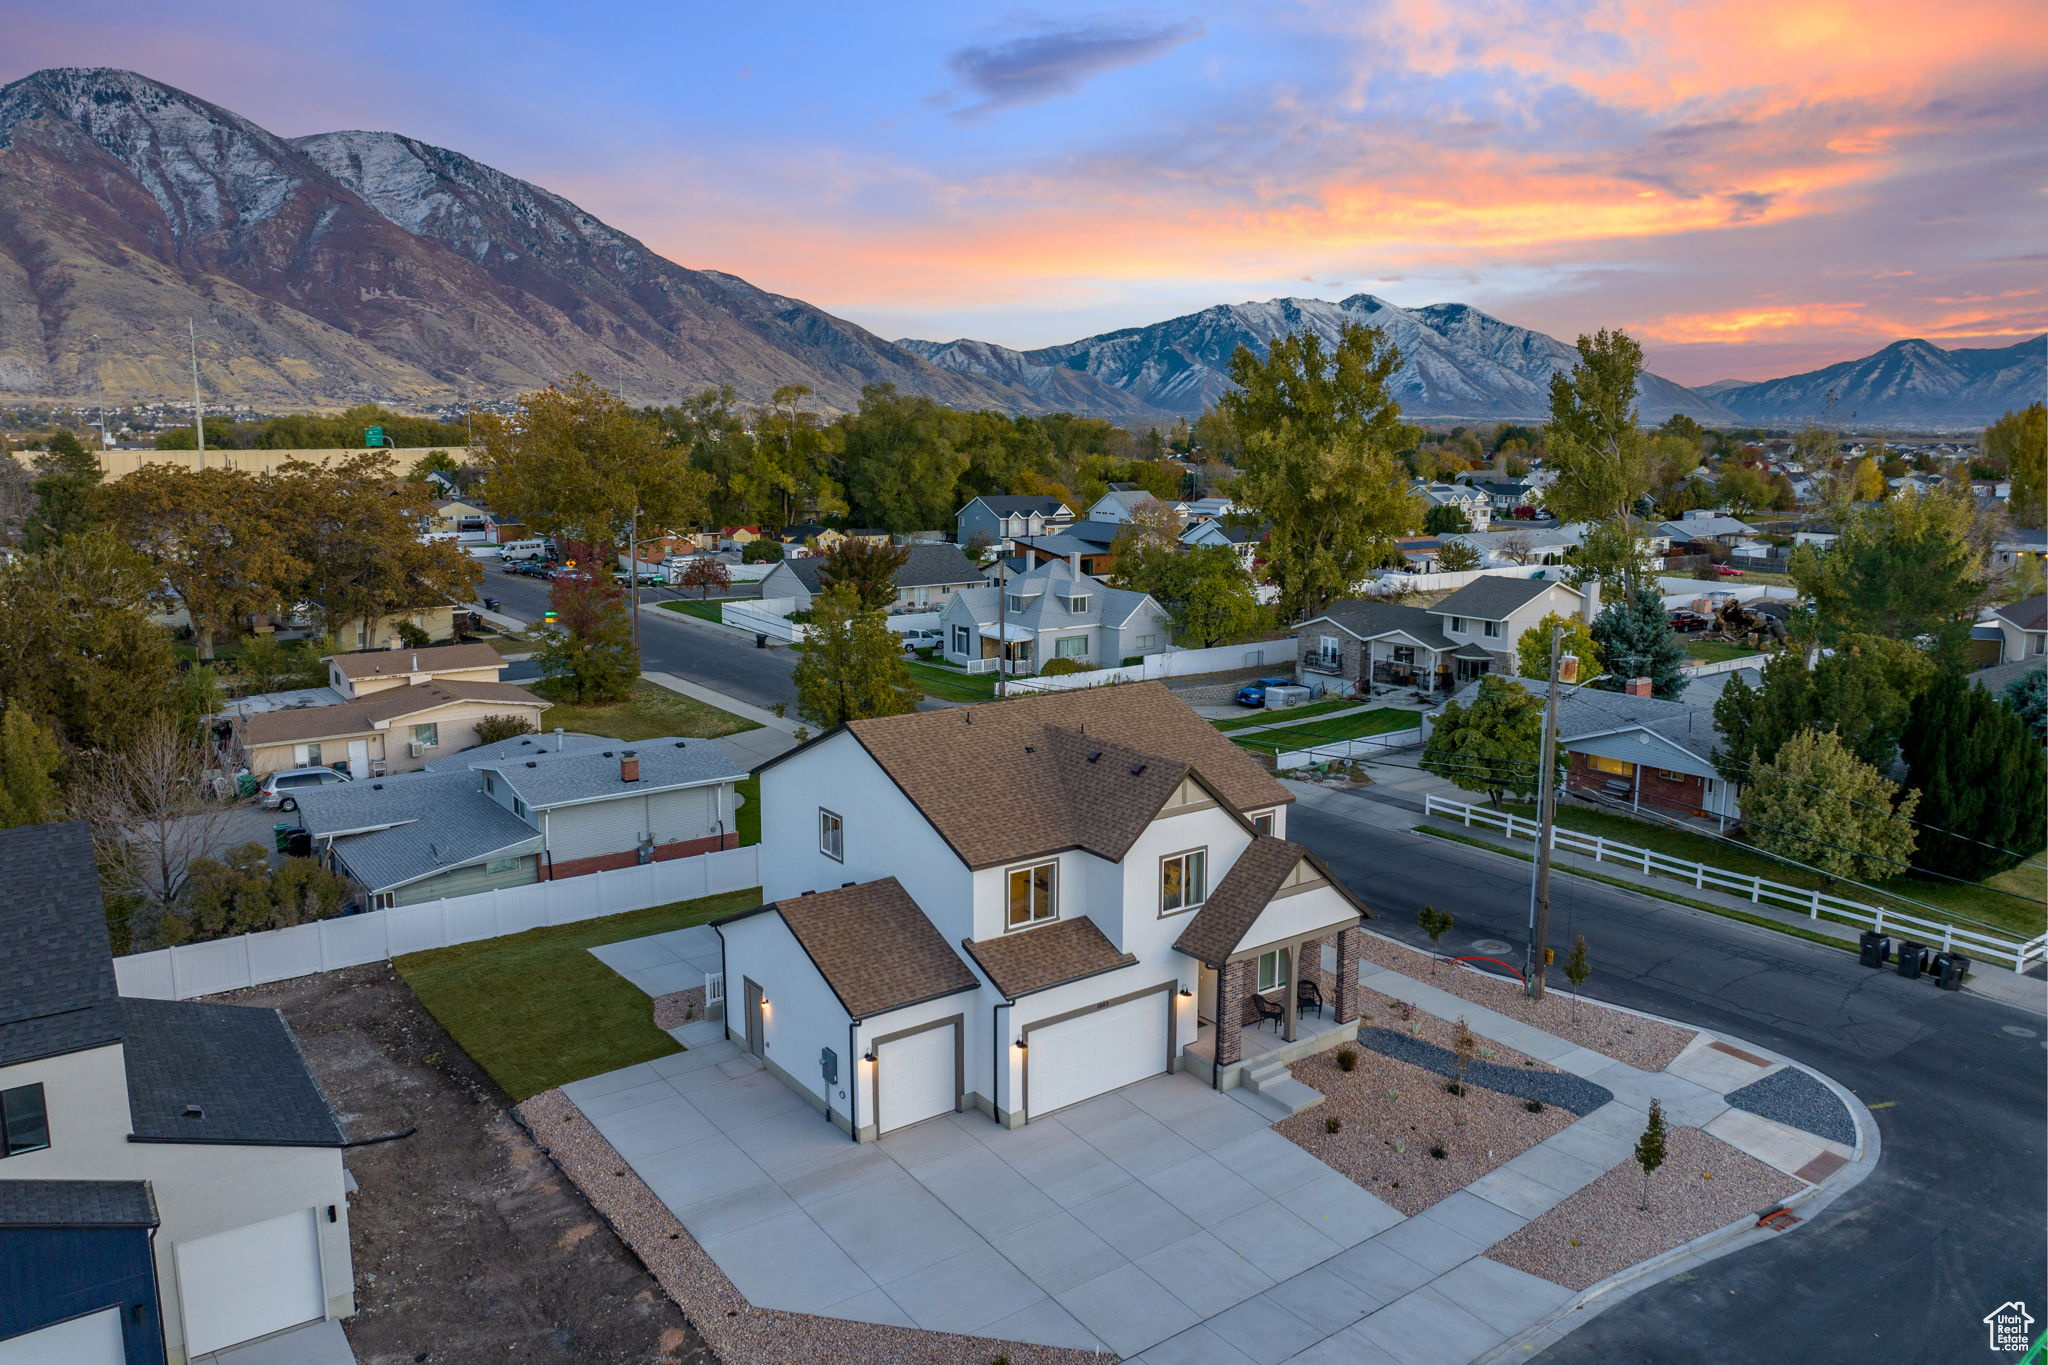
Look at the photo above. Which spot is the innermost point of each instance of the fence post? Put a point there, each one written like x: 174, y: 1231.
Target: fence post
x: 1814, y: 911
x: 1877, y: 923
x: 1599, y: 849
x: 1948, y: 937
x: 1756, y: 890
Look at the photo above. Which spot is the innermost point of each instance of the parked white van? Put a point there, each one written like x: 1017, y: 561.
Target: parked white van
x: 512, y: 550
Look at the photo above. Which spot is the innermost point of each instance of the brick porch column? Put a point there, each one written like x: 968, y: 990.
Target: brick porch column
x: 1233, y: 985
x: 1350, y: 943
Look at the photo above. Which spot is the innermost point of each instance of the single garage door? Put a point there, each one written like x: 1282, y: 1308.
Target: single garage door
x: 916, y: 1078
x: 1082, y: 1058
x: 250, y: 1282
x: 94, y: 1339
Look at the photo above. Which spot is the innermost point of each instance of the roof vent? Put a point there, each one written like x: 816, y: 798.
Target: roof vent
x: 1094, y: 756
x: 192, y: 1111
x: 810, y: 893
x: 376, y: 786
x: 844, y: 885
x: 607, y: 753
x: 531, y: 764
x: 1030, y: 749
x: 682, y: 744
x: 967, y: 715
x: 1137, y: 770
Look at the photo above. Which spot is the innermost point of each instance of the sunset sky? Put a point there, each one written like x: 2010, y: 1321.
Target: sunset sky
x: 1752, y: 187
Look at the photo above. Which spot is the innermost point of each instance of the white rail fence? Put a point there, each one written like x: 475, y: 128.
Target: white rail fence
x: 766, y: 616
x: 1725, y: 666
x: 1173, y: 663
x: 1759, y: 890
x: 277, y: 954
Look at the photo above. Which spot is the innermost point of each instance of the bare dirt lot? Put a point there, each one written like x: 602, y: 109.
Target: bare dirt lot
x: 470, y: 1246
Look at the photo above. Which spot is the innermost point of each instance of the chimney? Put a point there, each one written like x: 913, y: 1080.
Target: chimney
x: 1591, y: 601
x: 1637, y: 687
x: 629, y: 762
x: 558, y: 739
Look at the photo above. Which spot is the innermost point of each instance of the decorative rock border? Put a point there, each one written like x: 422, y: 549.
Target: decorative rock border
x: 1574, y: 1094
x: 1797, y: 1100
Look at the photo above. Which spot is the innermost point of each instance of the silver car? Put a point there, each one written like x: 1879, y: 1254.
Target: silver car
x: 276, y: 791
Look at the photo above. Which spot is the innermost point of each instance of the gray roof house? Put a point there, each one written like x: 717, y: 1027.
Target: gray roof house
x: 527, y: 809
x: 173, y: 1176
x: 929, y: 577
x: 1053, y: 612
x: 1714, y: 526
x: 1369, y: 642
x: 1002, y: 518
x: 1123, y: 500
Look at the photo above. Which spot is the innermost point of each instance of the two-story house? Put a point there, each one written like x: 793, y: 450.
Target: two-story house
x: 1473, y: 502
x: 1122, y: 501
x: 1368, y: 642
x: 2022, y: 628
x: 1051, y: 612
x: 1001, y: 520
x: 170, y: 1173
x: 929, y: 577
x: 1015, y: 906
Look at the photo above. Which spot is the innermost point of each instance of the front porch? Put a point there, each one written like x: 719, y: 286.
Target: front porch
x: 1260, y: 1045
x: 1275, y: 1003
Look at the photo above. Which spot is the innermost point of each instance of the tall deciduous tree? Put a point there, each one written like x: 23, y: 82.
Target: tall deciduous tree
x: 867, y: 569
x: 1597, y: 447
x: 1207, y: 596
x: 1818, y: 804
x: 1743, y: 490
x: 1904, y: 568
x: 29, y: 759
x: 576, y: 463
x: 1320, y: 433
x: 706, y: 573
x: 902, y: 466
x: 587, y: 653
x: 215, y: 536
x: 2021, y: 440
x: 1634, y: 638
x: 1494, y: 746
x: 1982, y: 780
x: 1532, y: 651
x: 853, y: 666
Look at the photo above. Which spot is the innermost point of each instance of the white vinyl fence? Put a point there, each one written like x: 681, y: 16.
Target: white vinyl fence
x: 1277, y: 655
x: 1973, y: 944
x: 1344, y: 750
x: 276, y: 954
x: 766, y: 616
x: 1725, y: 666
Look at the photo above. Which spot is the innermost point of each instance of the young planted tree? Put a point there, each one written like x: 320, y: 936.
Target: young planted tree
x: 1818, y: 805
x: 1577, y: 968
x: 587, y: 654
x: 1494, y: 746
x: 704, y: 574
x: 1982, y: 779
x: 1650, y: 1149
x: 1434, y: 922
x: 1633, y: 637
x: 865, y: 569
x: 1464, y: 1047
x: 852, y: 666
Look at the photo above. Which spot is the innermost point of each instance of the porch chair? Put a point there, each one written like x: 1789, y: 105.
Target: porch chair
x: 1269, y: 1008
x: 1308, y: 995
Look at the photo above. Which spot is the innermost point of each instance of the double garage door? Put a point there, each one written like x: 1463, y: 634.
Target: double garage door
x: 1086, y: 1056
x: 250, y: 1281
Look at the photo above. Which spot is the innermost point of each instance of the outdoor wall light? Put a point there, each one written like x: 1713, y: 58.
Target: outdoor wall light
x: 1186, y: 994
x: 1023, y: 1046
x: 868, y: 1057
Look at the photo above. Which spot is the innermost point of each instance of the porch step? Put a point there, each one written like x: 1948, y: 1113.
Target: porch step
x: 1265, y: 1106
x: 1270, y: 1081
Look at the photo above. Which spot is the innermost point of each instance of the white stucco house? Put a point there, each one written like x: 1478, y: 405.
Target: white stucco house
x: 1052, y: 612
x: 1016, y: 906
x: 171, y: 1182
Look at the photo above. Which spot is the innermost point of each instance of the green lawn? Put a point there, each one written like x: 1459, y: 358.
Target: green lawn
x: 1978, y: 905
x: 748, y: 821
x: 1379, y: 721
x: 510, y: 644
x: 709, y: 611
x: 1288, y: 716
x: 950, y: 684
x: 1716, y: 651
x: 649, y: 712
x: 536, y: 1010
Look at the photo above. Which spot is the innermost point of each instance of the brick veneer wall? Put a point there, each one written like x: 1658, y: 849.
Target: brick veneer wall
x: 1663, y: 795
x: 1350, y: 947
x: 1233, y: 989
x: 611, y: 862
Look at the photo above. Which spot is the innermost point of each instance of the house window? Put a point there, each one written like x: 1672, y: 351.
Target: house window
x: 1272, y: 971
x: 1146, y: 642
x: 1491, y: 629
x: 1329, y: 652
x: 1262, y: 822
x: 1601, y: 763
x: 1071, y: 647
x: 427, y: 736
x: 962, y: 640
x: 1670, y: 776
x: 490, y: 784
x: 1404, y: 654
x: 831, y: 835
x: 308, y: 756
x: 1033, y: 894
x: 922, y: 597
x: 1457, y: 623
x: 1078, y: 604
x: 519, y: 808
x: 1016, y: 602
x: 1183, y: 880
x: 24, y: 1120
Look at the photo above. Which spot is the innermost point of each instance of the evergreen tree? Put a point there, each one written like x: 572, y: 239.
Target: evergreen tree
x: 1863, y: 691
x: 1443, y: 519
x: 1494, y: 746
x: 29, y: 759
x: 1982, y: 778
x: 853, y: 666
x: 1634, y: 638
x: 2027, y: 697
x: 587, y: 653
x: 1817, y: 805
x: 67, y: 477
x: 1901, y: 569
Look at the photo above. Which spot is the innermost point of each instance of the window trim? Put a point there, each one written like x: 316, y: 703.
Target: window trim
x: 42, y: 1105
x: 1490, y: 629
x: 1010, y: 925
x: 1181, y: 857
x: 1269, y: 819
x: 837, y: 828
x: 1060, y: 648
x: 1258, y: 967
x: 431, y: 725
x: 963, y: 640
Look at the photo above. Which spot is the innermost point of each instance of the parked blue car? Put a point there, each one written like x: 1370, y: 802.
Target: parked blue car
x: 1254, y: 693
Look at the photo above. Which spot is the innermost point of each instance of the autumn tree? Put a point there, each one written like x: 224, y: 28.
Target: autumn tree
x: 1320, y: 432
x: 2020, y: 440
x: 1494, y: 746
x: 852, y: 666
x: 1532, y: 651
x: 1981, y: 777
x: 705, y: 574
x: 577, y: 464
x: 1819, y: 805
x: 865, y: 568
x: 1457, y: 556
x: 586, y: 654
x: 1597, y: 448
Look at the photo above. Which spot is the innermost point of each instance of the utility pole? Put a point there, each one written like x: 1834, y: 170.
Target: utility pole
x: 1546, y: 809
x: 1002, y: 637
x: 633, y: 574
x: 198, y: 413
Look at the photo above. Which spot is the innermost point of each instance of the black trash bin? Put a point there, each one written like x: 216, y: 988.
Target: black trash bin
x: 1874, y: 948
x: 298, y: 843
x: 1912, y: 959
x: 1949, y: 970
x: 760, y: 640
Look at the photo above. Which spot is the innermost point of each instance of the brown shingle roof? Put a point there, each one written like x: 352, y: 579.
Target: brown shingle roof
x: 365, y: 715
x: 1052, y: 955
x: 1219, y: 927
x: 388, y: 663
x: 1009, y: 779
x: 874, y: 947
x: 2029, y: 613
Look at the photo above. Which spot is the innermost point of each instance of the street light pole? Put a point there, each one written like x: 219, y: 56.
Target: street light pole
x: 1546, y: 810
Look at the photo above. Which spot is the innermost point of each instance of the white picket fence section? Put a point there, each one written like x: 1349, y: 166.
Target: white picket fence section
x: 1974, y: 944
x: 766, y: 616
x: 277, y: 954
x: 1277, y: 655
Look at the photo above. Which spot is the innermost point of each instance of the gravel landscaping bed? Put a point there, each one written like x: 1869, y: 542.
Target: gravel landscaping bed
x: 1560, y: 1088
x: 1392, y: 1113
x: 1796, y: 1099
x: 1642, y: 1043
x: 1703, y: 1184
x: 740, y: 1333
x: 678, y: 1008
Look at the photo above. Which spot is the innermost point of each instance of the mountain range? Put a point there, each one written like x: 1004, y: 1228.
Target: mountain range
x: 368, y: 266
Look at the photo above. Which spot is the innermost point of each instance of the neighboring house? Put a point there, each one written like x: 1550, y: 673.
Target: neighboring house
x: 1714, y: 526
x: 737, y: 537
x: 2014, y: 546
x: 1627, y: 746
x: 1242, y: 535
x: 1002, y: 519
x: 392, y: 731
x: 1532, y: 544
x: 1208, y: 509
x: 1085, y: 543
x: 522, y: 810
x: 1474, y: 631
x: 1503, y: 496
x: 171, y: 1181
x: 1418, y: 553
x: 1475, y: 503
x: 2022, y: 628
x: 930, y: 575
x: 464, y: 520
x: 1121, y: 502
x: 1015, y: 907
x: 373, y: 671
x: 1052, y: 612
x: 382, y: 633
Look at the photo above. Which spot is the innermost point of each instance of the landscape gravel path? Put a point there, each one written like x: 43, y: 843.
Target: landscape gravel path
x: 1794, y: 1098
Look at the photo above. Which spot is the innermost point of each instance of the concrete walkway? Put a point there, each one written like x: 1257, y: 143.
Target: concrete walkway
x: 1166, y: 1222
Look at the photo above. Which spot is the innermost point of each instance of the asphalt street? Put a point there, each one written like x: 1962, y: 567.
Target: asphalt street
x: 1902, y: 1268
x: 671, y: 642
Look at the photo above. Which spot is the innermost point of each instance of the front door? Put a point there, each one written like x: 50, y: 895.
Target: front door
x: 359, y: 758
x: 753, y: 1013
x: 1205, y: 995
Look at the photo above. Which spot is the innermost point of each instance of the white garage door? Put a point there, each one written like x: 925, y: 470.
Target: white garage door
x: 94, y: 1339
x: 250, y: 1282
x: 1084, y: 1057
x: 915, y: 1078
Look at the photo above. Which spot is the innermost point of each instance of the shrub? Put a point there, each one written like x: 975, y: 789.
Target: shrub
x: 1133, y: 661
x: 412, y: 635
x: 1055, y: 668
x: 1333, y: 1124
x: 761, y: 552
x: 491, y: 729
x: 1533, y: 1106
x: 1347, y: 1059
x: 239, y: 893
x: 1437, y: 1150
